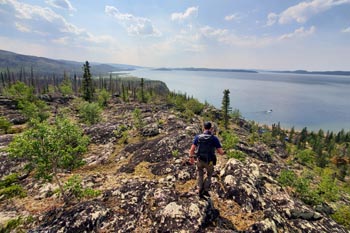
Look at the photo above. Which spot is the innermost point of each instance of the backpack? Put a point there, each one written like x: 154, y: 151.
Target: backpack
x: 206, y: 149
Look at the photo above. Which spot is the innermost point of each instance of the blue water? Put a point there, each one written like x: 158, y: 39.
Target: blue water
x: 312, y: 101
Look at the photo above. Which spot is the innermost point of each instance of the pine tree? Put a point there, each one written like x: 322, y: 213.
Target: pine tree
x: 88, y: 89
x: 143, y: 99
x: 226, y: 106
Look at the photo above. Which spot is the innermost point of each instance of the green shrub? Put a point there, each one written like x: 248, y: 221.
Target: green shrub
x: 328, y: 188
x: 16, y: 224
x: 301, y: 186
x: 175, y: 153
x: 306, y: 157
x: 305, y: 193
x: 287, y: 178
x: 90, y: 113
x: 12, y: 191
x: 8, y: 180
x: 74, y: 187
x: 194, y: 105
x: 229, y: 140
x: 5, y: 125
x: 9, y: 188
x: 30, y: 105
x: 239, y: 155
x: 267, y: 138
x: 342, y: 216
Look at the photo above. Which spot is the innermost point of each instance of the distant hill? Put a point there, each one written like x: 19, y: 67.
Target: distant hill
x: 15, y: 62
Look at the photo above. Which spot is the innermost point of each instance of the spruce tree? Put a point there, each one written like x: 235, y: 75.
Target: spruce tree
x: 88, y: 90
x: 226, y: 106
x: 143, y: 99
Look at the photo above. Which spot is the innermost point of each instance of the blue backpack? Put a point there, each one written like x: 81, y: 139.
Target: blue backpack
x: 206, y: 148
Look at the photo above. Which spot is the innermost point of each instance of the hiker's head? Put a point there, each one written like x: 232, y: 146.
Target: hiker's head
x: 207, y: 125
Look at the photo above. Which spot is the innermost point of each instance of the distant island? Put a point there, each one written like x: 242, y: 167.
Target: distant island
x: 345, y: 73
x: 206, y: 69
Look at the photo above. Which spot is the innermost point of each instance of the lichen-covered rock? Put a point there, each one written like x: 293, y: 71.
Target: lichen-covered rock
x: 102, y: 133
x: 254, y: 190
x: 83, y: 217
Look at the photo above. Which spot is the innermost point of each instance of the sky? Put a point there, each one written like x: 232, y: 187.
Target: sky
x: 312, y: 35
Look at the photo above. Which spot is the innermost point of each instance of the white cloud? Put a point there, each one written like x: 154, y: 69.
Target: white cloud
x: 21, y: 27
x: 346, y: 30
x: 63, y: 4
x: 212, y: 32
x: 300, y: 32
x: 235, y: 17
x: 46, y: 23
x: 133, y: 24
x: 303, y: 11
x: 190, y: 12
x: 271, y: 19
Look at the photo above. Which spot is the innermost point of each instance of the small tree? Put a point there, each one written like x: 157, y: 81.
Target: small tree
x: 49, y: 148
x: 90, y: 113
x: 103, y: 96
x: 226, y: 107
x: 137, y: 117
x: 88, y: 89
x: 143, y: 99
x: 66, y: 86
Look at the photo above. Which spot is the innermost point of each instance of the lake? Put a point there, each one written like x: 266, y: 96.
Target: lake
x: 299, y: 100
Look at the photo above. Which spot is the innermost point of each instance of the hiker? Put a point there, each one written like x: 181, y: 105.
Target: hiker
x: 203, y: 149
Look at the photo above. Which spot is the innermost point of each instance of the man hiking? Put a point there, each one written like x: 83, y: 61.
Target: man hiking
x: 203, y: 149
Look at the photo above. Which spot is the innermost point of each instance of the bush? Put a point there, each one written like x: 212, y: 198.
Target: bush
x: 12, y: 191
x: 9, y: 188
x: 74, y: 187
x: 328, y: 188
x: 16, y: 224
x: 267, y: 138
x: 229, y: 140
x: 194, y: 105
x: 30, y: 106
x: 239, y: 155
x: 5, y: 125
x: 301, y: 186
x: 305, y: 157
x: 306, y: 193
x: 342, y: 216
x: 287, y: 178
x: 90, y: 113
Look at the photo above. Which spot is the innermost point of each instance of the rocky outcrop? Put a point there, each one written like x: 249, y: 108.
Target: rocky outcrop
x: 148, y: 185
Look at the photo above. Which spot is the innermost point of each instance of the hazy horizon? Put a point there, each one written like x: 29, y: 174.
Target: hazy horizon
x: 311, y: 35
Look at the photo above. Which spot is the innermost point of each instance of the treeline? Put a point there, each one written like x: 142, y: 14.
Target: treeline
x: 43, y: 83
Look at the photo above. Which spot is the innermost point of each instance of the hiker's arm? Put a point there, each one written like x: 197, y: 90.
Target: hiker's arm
x: 192, y: 150
x: 220, y: 151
